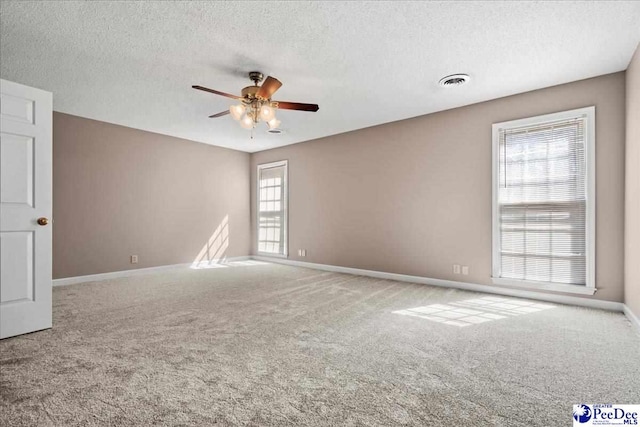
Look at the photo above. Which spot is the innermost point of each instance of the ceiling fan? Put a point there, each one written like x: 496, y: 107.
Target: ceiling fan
x: 256, y: 104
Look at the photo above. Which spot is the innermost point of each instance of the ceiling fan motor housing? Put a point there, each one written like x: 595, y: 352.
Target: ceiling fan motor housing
x: 250, y: 91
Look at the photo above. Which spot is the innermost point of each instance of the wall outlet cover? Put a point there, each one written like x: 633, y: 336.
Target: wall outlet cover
x: 456, y: 268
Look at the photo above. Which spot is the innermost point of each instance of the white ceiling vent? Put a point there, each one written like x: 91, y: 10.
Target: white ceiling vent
x: 454, y: 80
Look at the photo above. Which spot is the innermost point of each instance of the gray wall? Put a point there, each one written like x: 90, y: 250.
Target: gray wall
x: 119, y: 191
x: 414, y: 196
x: 632, y: 188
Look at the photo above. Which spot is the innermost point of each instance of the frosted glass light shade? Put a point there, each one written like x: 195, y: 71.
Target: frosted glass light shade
x: 267, y: 113
x: 237, y: 111
x: 274, y: 123
x: 246, y: 122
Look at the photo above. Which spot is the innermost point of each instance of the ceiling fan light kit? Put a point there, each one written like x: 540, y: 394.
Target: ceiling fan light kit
x: 273, y: 124
x: 237, y: 111
x: 247, y: 122
x: 256, y: 104
x: 267, y: 113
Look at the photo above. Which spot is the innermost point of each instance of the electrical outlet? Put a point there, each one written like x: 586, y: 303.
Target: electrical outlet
x: 302, y: 252
x: 465, y: 270
x: 134, y: 259
x: 456, y: 268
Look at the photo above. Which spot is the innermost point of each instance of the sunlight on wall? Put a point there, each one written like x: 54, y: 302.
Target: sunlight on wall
x: 213, y: 252
x: 474, y: 311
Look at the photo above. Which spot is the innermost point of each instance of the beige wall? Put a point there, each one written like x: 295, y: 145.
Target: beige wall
x: 120, y: 191
x: 414, y: 197
x: 632, y: 189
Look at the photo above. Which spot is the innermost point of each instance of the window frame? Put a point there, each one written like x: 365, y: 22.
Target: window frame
x: 590, y: 180
x: 285, y: 202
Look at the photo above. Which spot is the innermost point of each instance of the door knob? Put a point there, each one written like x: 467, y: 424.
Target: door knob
x: 43, y: 221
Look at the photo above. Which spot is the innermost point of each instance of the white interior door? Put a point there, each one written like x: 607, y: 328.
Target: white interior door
x: 25, y: 209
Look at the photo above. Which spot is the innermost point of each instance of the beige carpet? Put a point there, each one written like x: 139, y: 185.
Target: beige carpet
x: 275, y: 345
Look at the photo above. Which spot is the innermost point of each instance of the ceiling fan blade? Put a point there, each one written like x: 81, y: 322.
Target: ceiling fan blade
x: 269, y: 87
x: 223, y: 113
x: 297, y: 106
x: 215, y: 92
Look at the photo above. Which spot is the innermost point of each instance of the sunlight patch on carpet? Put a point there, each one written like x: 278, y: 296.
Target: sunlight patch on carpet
x: 226, y: 264
x: 474, y: 311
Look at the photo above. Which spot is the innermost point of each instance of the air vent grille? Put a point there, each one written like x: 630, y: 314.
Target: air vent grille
x: 454, y: 80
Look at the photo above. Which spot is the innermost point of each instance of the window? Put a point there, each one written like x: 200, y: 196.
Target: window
x: 272, y: 208
x: 544, y: 202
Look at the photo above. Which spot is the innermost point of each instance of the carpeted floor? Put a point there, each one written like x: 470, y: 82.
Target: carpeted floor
x: 268, y: 344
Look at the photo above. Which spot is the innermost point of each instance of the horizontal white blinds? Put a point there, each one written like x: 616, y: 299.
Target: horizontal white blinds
x: 271, y: 209
x: 542, y: 202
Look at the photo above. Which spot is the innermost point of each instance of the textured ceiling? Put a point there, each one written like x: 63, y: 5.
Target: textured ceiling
x: 364, y: 63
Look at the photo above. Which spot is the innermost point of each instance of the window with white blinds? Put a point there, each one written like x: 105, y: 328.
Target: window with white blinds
x: 543, y: 199
x: 272, y: 208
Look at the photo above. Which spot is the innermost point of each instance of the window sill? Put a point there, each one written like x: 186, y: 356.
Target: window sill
x: 269, y: 254
x: 544, y: 286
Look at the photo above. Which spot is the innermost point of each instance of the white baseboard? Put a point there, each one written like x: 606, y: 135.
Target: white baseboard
x: 635, y: 321
x: 133, y: 272
x: 560, y: 299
